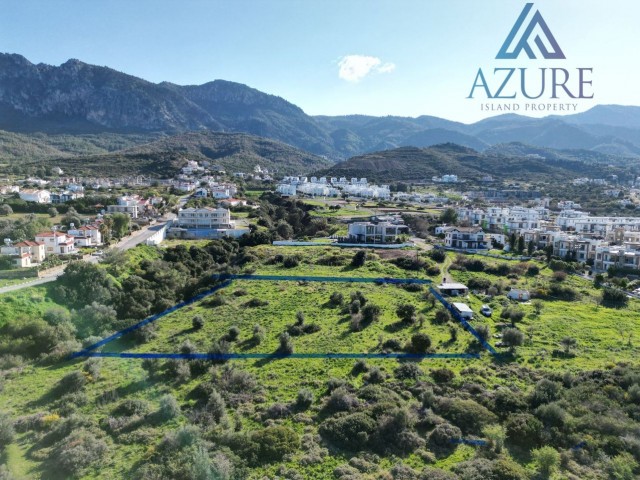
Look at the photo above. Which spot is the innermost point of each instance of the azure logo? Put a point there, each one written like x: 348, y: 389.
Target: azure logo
x: 523, y: 43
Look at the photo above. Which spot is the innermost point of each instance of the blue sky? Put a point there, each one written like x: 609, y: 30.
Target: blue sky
x: 421, y: 55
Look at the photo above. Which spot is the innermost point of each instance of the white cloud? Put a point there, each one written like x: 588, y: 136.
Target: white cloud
x: 354, y: 68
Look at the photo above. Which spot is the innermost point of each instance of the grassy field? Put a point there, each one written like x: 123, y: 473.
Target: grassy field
x: 26, y: 391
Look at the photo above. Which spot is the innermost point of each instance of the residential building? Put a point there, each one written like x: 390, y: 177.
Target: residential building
x: 617, y: 256
x: 56, y: 242
x: 37, y: 196
x: 25, y: 254
x: 204, y: 218
x: 128, y: 205
x: 466, y: 238
x: 86, y: 236
x: 369, y: 232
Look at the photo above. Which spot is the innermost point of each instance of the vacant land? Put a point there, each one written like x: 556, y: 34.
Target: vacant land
x: 122, y: 407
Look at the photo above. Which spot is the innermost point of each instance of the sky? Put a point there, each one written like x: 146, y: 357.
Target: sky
x: 331, y: 57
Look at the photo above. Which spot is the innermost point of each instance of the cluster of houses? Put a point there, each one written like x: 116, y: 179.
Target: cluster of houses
x: 136, y: 206
x: 30, y: 253
x: 332, y: 187
x: 603, y: 242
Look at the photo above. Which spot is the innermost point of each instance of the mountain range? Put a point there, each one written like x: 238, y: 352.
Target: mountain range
x: 69, y: 110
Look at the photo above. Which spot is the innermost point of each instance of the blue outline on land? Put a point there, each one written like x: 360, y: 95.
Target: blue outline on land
x: 227, y: 279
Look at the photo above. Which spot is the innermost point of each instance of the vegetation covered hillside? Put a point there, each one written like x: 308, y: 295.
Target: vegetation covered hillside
x: 165, y: 156
x: 419, y: 164
x: 563, y: 400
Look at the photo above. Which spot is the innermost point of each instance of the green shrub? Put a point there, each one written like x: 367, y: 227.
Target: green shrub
x: 6, y: 431
x: 351, y: 432
x: 273, y: 443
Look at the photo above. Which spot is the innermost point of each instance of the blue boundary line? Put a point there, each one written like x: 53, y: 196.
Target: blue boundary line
x: 466, y: 441
x: 276, y: 278
x: 249, y: 356
x: 227, y: 279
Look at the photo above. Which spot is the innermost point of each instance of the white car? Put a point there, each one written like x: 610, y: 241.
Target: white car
x: 486, y: 310
x: 98, y: 253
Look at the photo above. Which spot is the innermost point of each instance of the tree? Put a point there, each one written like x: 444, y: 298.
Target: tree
x: 483, y: 332
x: 5, y: 210
x: 299, y: 318
x: 6, y: 431
x: 512, y: 337
x: 53, y: 211
x: 120, y: 224
x: 258, y: 334
x: 420, y: 343
x: 547, y: 459
x: 521, y: 244
x: 286, y: 345
x: 568, y: 343
x: 370, y: 313
x: 448, y: 216
x: 496, y: 434
x: 359, y: 259
x: 406, y: 312
x: 538, y: 306
x: 531, y: 247
x: 93, y: 319
x: 512, y: 242
x: 548, y: 250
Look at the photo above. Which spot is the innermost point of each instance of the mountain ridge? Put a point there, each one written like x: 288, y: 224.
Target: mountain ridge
x: 77, y: 98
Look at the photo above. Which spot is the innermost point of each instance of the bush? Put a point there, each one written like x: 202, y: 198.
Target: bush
x: 469, y: 415
x: 336, y: 299
x: 437, y: 255
x: 6, y: 431
x: 71, y: 382
x: 77, y: 451
x: 351, y: 432
x: 169, y: 407
x: 370, y: 313
x: 613, y: 297
x: 131, y: 407
x: 442, y: 375
x: 273, y: 443
x: 442, y: 316
x: 547, y: 459
x: 256, y: 302
x: 420, y: 343
x: 359, y: 259
x: 233, y: 333
x: 304, y: 400
x: 286, y: 345
x: 375, y: 376
x: 341, y: 401
x: 407, y: 371
x: 524, y: 429
x: 291, y: 262
x: 258, y: 334
x: 197, y: 322
x: 444, y: 434
x: 512, y: 337
x: 406, y: 312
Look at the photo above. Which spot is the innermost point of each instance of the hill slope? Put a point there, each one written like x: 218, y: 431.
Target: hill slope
x: 411, y: 164
x: 233, y: 151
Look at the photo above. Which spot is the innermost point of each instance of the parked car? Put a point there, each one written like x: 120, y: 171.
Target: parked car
x: 98, y: 253
x: 486, y: 310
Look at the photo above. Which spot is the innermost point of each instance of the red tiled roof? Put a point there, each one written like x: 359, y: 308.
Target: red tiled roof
x: 28, y: 243
x: 50, y: 234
